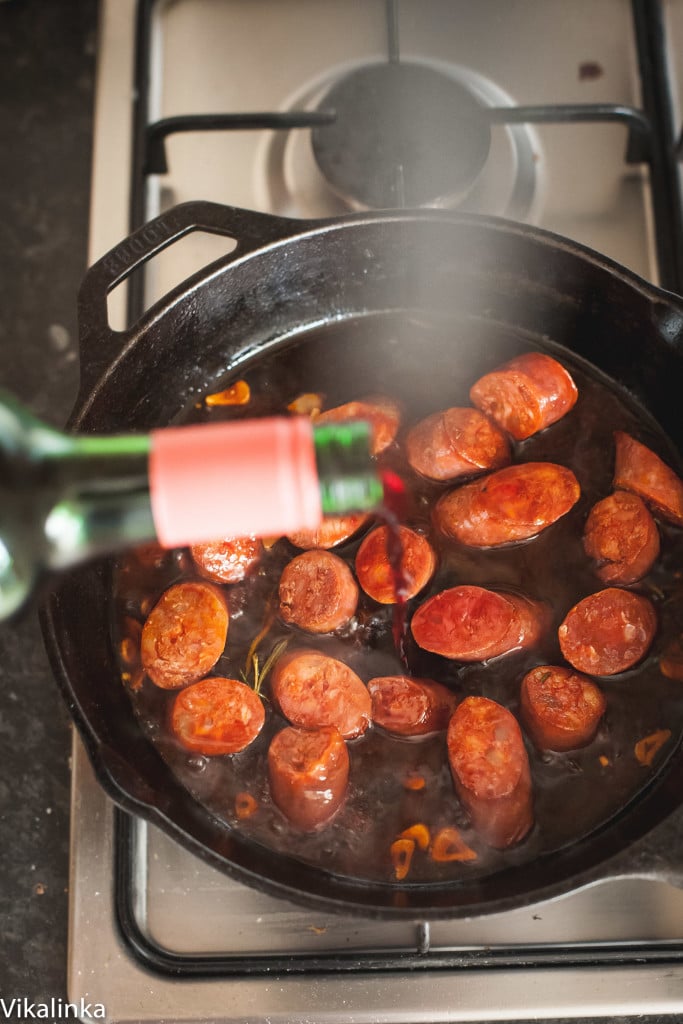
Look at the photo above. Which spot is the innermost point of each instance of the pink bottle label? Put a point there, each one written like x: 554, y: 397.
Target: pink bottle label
x: 237, y: 479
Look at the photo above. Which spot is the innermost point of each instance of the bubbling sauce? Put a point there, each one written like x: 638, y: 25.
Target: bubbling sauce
x: 425, y: 367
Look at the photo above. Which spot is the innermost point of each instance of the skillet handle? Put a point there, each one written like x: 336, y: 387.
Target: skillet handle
x: 99, y: 343
x: 669, y: 315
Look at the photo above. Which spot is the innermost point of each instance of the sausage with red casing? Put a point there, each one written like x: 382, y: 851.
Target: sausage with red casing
x: 410, y: 707
x: 470, y: 623
x: 561, y: 709
x: 622, y: 537
x: 455, y: 443
x: 374, y: 571
x: 490, y: 770
x: 639, y: 470
x: 380, y: 412
x: 317, y: 592
x: 512, y: 504
x: 217, y: 716
x: 229, y: 560
x: 332, y: 531
x: 608, y: 632
x: 308, y: 773
x: 313, y: 690
x: 525, y: 395
x: 184, y: 635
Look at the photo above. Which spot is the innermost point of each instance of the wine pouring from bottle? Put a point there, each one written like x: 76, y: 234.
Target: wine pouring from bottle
x: 66, y: 498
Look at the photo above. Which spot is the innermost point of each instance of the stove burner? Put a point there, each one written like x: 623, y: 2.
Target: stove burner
x: 405, y: 135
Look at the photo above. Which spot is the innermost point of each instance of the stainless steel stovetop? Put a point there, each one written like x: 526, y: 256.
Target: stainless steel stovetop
x: 154, y: 933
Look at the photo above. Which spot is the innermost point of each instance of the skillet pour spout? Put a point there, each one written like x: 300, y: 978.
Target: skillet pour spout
x: 481, y: 277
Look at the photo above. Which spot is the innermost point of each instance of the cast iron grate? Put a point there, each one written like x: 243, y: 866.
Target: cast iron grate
x: 650, y: 131
x: 423, y: 956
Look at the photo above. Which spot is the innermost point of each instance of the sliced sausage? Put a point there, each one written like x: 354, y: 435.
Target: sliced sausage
x: 317, y: 592
x: 513, y: 504
x: 455, y: 443
x: 332, y: 531
x: 184, y: 634
x: 490, y: 770
x: 561, y: 709
x: 313, y: 690
x: 381, y: 413
x: 374, y: 570
x: 217, y: 716
x: 622, y: 537
x: 473, y: 624
x: 526, y: 395
x: 410, y: 707
x: 608, y: 632
x: 639, y: 470
x: 309, y: 774
x: 229, y: 560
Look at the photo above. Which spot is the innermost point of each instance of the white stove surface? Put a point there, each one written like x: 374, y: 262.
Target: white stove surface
x: 253, y: 55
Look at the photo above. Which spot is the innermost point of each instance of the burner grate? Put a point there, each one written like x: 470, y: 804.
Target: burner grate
x: 475, y: 119
x: 419, y: 946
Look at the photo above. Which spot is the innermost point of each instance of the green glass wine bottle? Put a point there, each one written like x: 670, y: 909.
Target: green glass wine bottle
x: 66, y: 498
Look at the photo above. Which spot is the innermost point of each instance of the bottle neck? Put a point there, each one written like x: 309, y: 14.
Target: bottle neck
x: 266, y: 477
x: 347, y: 476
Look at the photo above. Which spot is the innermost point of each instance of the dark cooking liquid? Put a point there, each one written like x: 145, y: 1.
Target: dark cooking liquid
x: 427, y: 367
x: 393, y: 512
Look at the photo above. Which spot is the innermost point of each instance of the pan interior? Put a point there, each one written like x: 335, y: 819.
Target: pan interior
x: 427, y: 364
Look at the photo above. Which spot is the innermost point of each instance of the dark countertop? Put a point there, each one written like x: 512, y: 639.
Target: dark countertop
x: 47, y: 56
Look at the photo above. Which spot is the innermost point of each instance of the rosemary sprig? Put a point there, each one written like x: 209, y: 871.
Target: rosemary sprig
x: 260, y: 672
x: 262, y: 633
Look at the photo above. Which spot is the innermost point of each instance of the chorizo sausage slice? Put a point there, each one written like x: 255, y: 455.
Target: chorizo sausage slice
x: 332, y: 531
x: 217, y: 716
x: 374, y: 571
x: 639, y: 470
x: 490, y: 770
x: 607, y: 632
x: 380, y: 412
x: 561, y: 709
x: 313, y: 690
x: 512, y: 504
x: 526, y: 395
x: 410, y: 707
x: 229, y: 560
x: 473, y: 624
x: 454, y: 443
x: 309, y: 774
x: 622, y: 537
x: 317, y: 592
x: 184, y: 634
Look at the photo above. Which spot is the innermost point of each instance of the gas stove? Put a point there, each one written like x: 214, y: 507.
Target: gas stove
x: 569, y: 112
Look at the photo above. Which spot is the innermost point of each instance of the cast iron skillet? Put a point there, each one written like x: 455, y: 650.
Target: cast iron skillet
x: 283, y: 277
